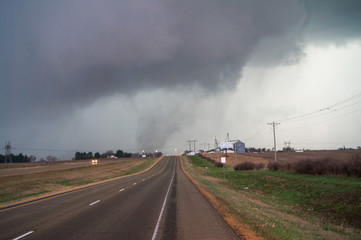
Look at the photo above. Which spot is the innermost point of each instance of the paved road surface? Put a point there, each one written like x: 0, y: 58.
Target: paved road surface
x: 158, y: 204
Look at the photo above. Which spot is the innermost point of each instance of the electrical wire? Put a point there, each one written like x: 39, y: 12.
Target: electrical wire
x: 329, y: 109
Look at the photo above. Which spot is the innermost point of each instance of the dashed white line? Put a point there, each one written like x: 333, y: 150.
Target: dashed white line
x: 94, y: 202
x: 121, y: 190
x: 24, y: 235
x: 143, y: 179
x: 134, y: 183
x: 162, y: 210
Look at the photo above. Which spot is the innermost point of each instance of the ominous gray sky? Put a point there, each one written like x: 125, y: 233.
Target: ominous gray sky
x: 151, y: 74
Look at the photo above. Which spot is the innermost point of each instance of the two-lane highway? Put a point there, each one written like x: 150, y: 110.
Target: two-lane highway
x: 158, y: 204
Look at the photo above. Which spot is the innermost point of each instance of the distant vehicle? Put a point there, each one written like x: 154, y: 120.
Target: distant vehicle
x: 94, y: 161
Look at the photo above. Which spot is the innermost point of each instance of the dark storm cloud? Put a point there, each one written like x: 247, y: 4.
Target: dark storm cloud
x: 332, y: 20
x: 65, y: 53
x: 57, y: 56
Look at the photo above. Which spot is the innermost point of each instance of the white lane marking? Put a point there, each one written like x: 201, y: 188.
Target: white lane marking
x: 121, y: 190
x: 134, y: 183
x: 148, y: 177
x: 24, y: 235
x: 94, y: 202
x: 143, y: 179
x: 161, y: 211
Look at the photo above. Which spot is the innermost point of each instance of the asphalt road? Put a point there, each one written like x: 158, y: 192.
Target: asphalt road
x: 158, y: 204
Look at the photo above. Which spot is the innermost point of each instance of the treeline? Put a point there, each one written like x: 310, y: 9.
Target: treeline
x: 110, y: 153
x: 17, y: 158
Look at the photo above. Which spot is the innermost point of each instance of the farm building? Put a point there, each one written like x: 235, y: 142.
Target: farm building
x: 239, y: 147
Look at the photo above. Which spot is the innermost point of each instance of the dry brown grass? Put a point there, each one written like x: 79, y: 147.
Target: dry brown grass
x: 240, y: 158
x: 37, y: 167
x: 283, y: 157
x: 290, y: 157
x: 18, y: 186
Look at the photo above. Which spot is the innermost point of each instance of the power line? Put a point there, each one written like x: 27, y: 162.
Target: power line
x: 329, y: 108
x: 260, y: 131
x: 346, y: 100
x: 326, y: 120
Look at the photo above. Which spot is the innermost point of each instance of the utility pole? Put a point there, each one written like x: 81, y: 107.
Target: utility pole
x: 215, y: 143
x: 8, y: 152
x: 189, y: 145
x: 227, y: 137
x: 194, y: 144
x: 274, y: 124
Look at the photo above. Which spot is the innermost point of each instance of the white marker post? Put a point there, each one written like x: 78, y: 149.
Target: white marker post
x: 223, y: 160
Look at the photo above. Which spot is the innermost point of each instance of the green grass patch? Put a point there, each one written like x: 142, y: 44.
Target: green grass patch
x: 4, y: 198
x: 334, y: 199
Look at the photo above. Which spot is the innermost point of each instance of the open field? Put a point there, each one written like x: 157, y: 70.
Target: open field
x: 37, y: 167
x: 283, y: 204
x: 284, y: 157
x: 26, y: 182
x: 239, y: 158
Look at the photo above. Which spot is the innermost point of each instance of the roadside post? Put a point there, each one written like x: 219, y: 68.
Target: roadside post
x: 206, y: 171
x: 223, y: 160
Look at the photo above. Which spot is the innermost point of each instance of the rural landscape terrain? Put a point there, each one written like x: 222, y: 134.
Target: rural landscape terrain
x: 257, y: 200
x: 158, y: 119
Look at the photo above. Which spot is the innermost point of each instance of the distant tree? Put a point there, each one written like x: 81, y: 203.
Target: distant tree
x: 20, y: 157
x: 90, y: 155
x: 119, y: 154
x: 107, y: 153
x: 2, y: 158
x: 26, y: 159
x: 97, y: 155
x: 32, y: 158
x: 50, y: 158
x: 127, y: 155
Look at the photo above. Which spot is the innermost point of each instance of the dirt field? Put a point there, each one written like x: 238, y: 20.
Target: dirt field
x: 283, y: 157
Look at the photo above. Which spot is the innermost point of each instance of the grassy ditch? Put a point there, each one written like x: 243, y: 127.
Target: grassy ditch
x: 286, y: 205
x: 19, y: 187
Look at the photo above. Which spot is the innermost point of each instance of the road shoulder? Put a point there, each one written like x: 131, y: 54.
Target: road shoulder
x: 243, y: 230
